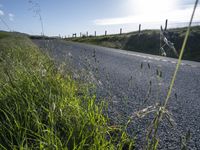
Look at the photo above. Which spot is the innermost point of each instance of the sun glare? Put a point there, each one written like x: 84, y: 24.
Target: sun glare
x: 151, y: 10
x: 152, y: 7
x: 155, y: 6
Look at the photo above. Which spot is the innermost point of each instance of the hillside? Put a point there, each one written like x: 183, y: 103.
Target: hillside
x: 149, y: 42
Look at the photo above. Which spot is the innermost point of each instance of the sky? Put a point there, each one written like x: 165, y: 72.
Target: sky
x: 65, y: 17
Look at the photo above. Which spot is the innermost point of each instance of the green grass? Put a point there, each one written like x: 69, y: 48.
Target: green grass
x: 149, y: 42
x: 41, y: 108
x: 3, y: 35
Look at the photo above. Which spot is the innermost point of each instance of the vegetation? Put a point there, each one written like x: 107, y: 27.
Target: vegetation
x: 149, y: 42
x: 43, y: 108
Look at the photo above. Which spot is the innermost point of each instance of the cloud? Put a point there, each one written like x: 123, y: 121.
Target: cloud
x: 179, y: 15
x: 1, y: 5
x: 1, y: 13
x: 11, y: 16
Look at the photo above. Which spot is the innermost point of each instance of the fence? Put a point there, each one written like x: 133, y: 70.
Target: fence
x: 165, y: 43
x: 74, y: 35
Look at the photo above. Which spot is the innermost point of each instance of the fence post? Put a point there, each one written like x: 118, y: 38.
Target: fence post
x: 74, y: 35
x: 95, y: 33
x: 120, y: 31
x: 166, y: 22
x: 105, y: 33
x: 139, y: 29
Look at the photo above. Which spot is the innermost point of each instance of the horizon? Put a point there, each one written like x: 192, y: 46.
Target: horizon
x: 171, y: 26
x: 65, y: 18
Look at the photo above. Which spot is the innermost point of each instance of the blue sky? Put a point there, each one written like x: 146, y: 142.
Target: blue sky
x: 65, y: 17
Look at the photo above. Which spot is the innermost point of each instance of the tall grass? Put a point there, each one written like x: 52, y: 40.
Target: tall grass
x: 41, y: 108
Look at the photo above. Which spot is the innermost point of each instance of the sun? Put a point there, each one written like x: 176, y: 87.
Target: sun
x: 152, y: 11
x: 152, y: 7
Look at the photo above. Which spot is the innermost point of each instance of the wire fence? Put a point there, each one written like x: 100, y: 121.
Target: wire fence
x: 112, y: 30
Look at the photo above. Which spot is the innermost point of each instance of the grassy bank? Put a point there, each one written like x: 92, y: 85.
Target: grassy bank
x: 149, y: 42
x: 42, y: 108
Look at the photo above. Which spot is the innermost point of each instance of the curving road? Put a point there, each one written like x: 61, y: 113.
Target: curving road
x: 132, y: 81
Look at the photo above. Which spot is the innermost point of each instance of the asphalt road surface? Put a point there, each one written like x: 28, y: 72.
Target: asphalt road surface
x: 131, y: 81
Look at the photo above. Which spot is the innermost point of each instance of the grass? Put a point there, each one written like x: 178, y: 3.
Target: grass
x: 148, y: 42
x: 42, y: 108
x: 4, y: 34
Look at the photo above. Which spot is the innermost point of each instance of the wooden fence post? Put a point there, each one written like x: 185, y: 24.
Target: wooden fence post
x: 120, y: 31
x: 139, y: 29
x: 166, y: 22
x: 74, y: 35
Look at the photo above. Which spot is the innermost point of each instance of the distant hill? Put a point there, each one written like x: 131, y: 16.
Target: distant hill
x: 149, y: 42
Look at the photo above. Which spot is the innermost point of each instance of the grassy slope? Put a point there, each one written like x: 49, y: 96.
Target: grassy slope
x: 40, y: 108
x: 149, y: 42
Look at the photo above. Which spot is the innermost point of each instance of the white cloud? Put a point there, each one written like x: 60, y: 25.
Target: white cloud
x: 179, y: 15
x: 1, y: 13
x: 11, y: 16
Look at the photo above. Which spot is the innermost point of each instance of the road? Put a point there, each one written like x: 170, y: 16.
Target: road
x: 131, y: 81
